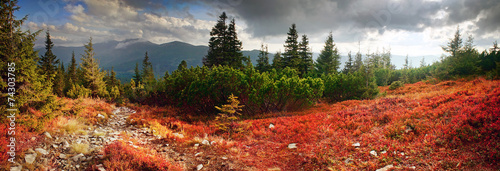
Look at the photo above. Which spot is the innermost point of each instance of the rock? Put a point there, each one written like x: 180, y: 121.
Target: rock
x: 271, y: 126
x: 30, y: 158
x: 348, y: 161
x: 373, y: 153
x: 224, y: 158
x: 197, y: 154
x: 66, y: 144
x: 101, y: 116
x: 386, y: 168
x: 55, y: 146
x: 383, y: 152
x: 196, y: 145
x: 412, y: 167
x: 63, y: 156
x: 356, y: 144
x: 199, y: 167
x: 47, y: 134
x: 408, y: 129
x: 17, y: 168
x: 33, y: 138
x: 77, y: 157
x: 292, y: 145
x: 178, y: 135
x: 42, y: 151
x: 77, y: 166
x: 100, y: 167
x: 205, y: 142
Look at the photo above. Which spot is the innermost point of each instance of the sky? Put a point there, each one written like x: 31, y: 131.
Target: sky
x: 416, y: 28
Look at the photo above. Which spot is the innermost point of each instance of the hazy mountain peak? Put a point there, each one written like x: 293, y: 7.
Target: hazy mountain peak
x: 125, y: 43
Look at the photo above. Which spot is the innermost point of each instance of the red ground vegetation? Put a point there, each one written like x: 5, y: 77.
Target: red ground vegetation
x: 449, y: 125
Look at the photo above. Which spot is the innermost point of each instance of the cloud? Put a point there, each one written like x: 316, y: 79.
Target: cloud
x: 357, y: 18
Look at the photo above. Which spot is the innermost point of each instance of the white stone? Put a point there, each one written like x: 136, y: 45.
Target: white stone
x: 63, y: 156
x: 199, y: 167
x: 100, y: 167
x: 30, y: 158
x: 55, y: 146
x: 386, y: 168
x: 224, y: 158
x: 197, y: 154
x: 17, y: 168
x: 47, y: 134
x: 205, y: 142
x: 373, y: 153
x: 356, y: 144
x: 178, y: 135
x: 42, y: 151
x: 77, y: 157
x: 196, y: 145
x: 292, y: 145
x: 101, y: 116
x: 383, y: 152
x: 271, y: 126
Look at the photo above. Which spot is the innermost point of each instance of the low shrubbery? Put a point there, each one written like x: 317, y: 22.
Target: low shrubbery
x: 200, y: 89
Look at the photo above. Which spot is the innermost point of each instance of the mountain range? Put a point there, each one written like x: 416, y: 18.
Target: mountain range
x: 123, y: 55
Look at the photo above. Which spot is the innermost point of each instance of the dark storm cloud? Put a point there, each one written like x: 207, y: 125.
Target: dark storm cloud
x: 488, y: 12
x: 273, y: 17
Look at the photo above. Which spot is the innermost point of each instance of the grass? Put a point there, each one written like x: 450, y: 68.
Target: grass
x: 80, y: 148
x: 71, y: 125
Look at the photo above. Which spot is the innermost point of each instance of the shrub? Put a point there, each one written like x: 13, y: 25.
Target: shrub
x: 78, y: 91
x: 339, y: 87
x: 229, y: 114
x: 119, y: 156
x: 396, y: 84
x: 200, y: 89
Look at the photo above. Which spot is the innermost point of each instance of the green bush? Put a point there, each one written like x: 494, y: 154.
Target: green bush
x: 396, y: 84
x: 339, y: 87
x: 78, y: 91
x: 200, y: 89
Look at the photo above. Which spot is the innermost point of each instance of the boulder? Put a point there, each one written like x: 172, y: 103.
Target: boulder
x: 30, y: 158
x: 386, y: 168
x: 292, y: 145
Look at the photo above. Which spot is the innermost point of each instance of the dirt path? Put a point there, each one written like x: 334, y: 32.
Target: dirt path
x: 56, y: 151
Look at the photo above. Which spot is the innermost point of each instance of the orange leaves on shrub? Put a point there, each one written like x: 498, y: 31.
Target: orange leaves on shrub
x: 120, y: 156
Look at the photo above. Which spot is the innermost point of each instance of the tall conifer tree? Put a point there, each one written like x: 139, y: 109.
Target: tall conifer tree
x: 93, y: 77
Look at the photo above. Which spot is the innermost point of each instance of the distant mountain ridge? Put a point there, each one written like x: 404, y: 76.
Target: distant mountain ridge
x: 123, y: 55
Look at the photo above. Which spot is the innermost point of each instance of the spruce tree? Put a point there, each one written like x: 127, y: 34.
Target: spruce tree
x: 137, y: 74
x: 329, y: 59
x: 92, y: 75
x: 291, y: 57
x: 224, y: 46
x: 277, y: 61
x: 18, y: 57
x: 348, y: 68
x: 358, y: 62
x: 305, y: 56
x: 147, y: 74
x: 182, y: 65
x: 59, y: 81
x: 71, y: 75
x: 48, y: 62
x: 263, y: 59
x: 234, y: 54
x: 454, y: 45
x: 217, y: 43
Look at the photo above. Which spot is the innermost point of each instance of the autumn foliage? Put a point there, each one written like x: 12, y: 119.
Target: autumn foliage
x: 449, y: 125
x: 121, y: 156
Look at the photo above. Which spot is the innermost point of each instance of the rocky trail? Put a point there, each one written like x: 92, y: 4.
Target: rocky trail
x: 56, y: 152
